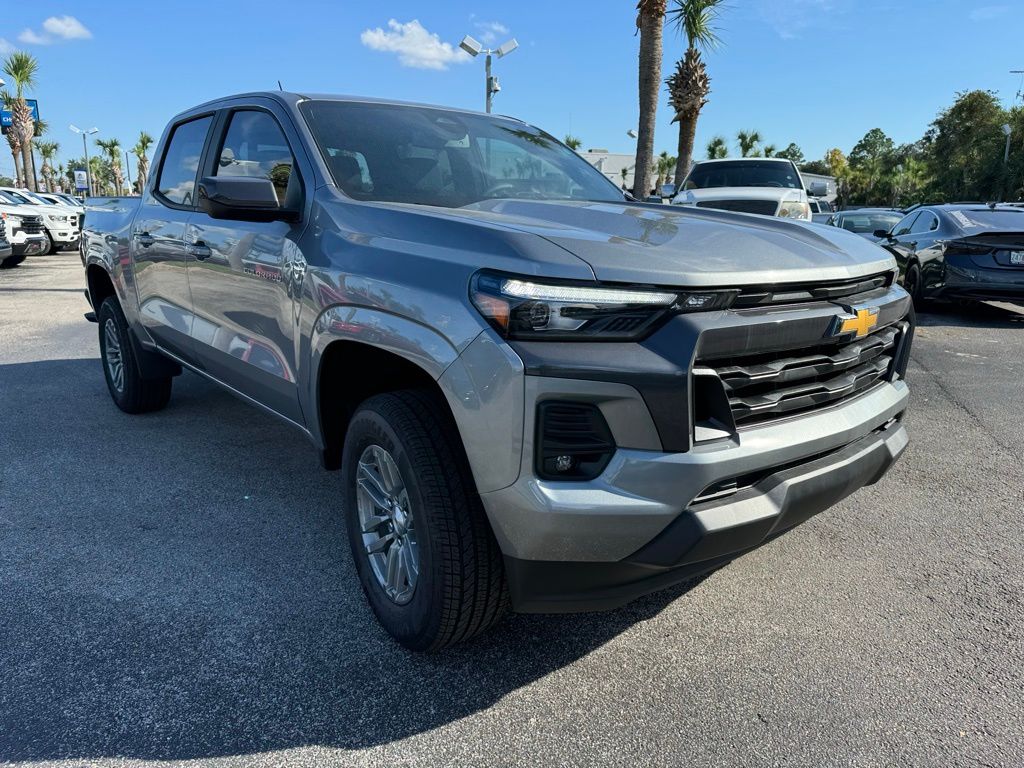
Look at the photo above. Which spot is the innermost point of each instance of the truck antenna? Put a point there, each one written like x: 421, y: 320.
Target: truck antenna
x: 279, y: 86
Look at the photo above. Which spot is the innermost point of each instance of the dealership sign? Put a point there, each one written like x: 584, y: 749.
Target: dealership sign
x: 81, y: 181
x: 7, y: 118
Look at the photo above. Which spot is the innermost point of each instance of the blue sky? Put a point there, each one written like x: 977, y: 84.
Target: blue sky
x: 817, y: 72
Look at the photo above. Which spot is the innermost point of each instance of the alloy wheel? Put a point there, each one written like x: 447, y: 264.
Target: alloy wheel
x: 387, y: 524
x: 112, y: 353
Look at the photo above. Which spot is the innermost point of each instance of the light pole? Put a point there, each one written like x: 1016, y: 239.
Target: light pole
x: 85, y: 146
x: 1006, y: 159
x: 474, y: 48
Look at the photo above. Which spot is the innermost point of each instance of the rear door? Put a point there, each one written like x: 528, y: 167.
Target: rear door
x: 245, y: 299
x: 158, y: 238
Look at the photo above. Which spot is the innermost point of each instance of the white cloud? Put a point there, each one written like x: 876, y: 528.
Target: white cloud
x: 56, y: 28
x: 415, y: 46
x: 67, y: 28
x: 489, y: 30
x: 33, y: 38
x: 988, y: 12
x: 6, y: 47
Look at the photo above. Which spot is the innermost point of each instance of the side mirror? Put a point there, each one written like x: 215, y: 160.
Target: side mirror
x: 242, y: 198
x: 653, y: 199
x: 883, y: 234
x: 817, y: 189
x: 667, y: 190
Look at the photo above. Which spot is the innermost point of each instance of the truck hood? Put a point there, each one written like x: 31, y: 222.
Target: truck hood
x: 678, y: 246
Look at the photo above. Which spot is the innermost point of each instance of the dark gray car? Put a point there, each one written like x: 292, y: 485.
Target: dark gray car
x: 540, y: 394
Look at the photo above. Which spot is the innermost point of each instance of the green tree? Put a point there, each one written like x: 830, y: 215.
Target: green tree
x: 965, y: 147
x: 22, y: 69
x: 141, y: 149
x: 717, y: 148
x: 792, y: 152
x: 816, y: 166
x: 690, y: 85
x: 650, y: 22
x: 572, y: 142
x: 748, y: 142
x: 665, y: 165
x: 47, y: 151
x: 112, y: 148
x: 871, y: 163
x: 14, y: 142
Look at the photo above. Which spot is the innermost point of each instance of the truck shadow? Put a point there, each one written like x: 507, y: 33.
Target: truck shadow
x: 178, y: 586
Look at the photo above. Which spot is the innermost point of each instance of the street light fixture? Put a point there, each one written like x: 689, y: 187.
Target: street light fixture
x: 475, y: 48
x: 85, y: 146
x: 631, y: 133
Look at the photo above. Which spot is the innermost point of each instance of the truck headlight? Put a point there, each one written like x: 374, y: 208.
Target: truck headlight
x: 13, y: 221
x: 519, y: 308
x: 794, y: 209
x: 59, y: 218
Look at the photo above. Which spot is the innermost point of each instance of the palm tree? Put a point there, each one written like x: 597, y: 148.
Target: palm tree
x: 718, y: 148
x: 690, y: 85
x: 666, y: 165
x: 748, y: 141
x: 47, y: 151
x: 142, y: 169
x: 650, y: 20
x: 112, y: 148
x: 769, y: 150
x: 61, y: 178
x: 625, y: 174
x: 22, y: 67
x: 572, y: 142
x: 14, y: 141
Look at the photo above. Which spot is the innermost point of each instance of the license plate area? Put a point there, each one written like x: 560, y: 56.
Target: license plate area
x: 1017, y: 258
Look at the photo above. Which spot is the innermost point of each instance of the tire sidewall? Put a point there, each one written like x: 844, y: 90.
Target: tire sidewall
x: 416, y: 623
x: 914, y: 289
x: 111, y: 311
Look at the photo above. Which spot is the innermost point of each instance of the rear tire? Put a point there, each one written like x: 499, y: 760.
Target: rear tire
x: 408, y: 489
x: 129, y: 391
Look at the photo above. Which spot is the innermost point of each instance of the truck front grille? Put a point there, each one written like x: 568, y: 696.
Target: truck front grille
x: 763, y: 207
x: 767, y: 386
x: 32, y: 225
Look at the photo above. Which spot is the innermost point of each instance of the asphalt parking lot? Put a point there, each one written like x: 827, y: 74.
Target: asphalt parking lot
x: 177, y: 587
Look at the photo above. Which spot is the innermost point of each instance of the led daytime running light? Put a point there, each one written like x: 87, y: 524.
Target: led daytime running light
x: 522, y: 289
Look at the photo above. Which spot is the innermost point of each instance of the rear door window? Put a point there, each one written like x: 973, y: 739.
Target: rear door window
x: 177, y: 182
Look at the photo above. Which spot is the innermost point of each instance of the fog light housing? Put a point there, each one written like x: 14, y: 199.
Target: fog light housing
x: 573, y: 441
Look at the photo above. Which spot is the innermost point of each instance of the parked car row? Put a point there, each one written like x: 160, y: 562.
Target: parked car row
x: 37, y: 223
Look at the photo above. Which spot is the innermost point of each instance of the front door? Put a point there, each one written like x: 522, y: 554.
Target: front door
x: 158, y: 240
x: 241, y: 272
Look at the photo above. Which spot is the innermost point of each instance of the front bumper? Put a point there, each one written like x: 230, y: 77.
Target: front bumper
x: 29, y: 247
x: 708, y: 535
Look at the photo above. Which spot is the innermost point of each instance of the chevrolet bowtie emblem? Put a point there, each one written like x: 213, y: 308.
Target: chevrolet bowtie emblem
x: 859, y: 324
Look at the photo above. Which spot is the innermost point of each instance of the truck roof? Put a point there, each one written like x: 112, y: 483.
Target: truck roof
x: 290, y: 98
x: 744, y: 160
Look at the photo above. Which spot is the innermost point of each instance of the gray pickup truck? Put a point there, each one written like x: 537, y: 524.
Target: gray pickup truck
x: 542, y: 395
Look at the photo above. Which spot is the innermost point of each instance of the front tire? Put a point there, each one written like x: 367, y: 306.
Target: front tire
x: 129, y: 391
x: 424, y: 551
x: 912, y: 284
x: 48, y: 245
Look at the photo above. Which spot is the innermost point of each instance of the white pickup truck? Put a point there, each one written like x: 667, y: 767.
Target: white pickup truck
x: 771, y: 186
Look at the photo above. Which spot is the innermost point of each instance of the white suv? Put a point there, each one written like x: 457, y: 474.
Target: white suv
x: 62, y: 225
x: 771, y: 186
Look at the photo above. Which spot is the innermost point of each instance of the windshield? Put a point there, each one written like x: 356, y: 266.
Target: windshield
x: 5, y: 197
x: 426, y: 156
x: 746, y: 173
x: 18, y: 199
x: 863, y: 223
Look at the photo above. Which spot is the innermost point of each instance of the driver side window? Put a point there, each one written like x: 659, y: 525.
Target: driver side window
x: 904, y: 226
x: 255, y: 146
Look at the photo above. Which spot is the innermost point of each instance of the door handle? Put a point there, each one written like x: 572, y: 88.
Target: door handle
x: 145, y: 239
x: 199, y: 249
